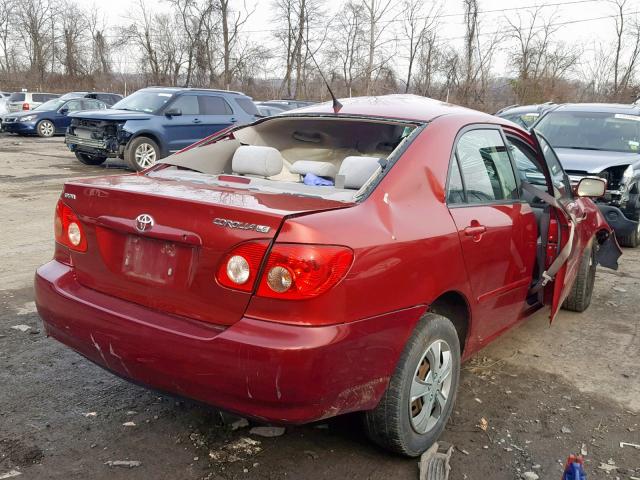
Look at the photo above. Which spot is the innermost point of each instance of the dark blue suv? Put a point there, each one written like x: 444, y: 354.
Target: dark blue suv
x: 154, y: 122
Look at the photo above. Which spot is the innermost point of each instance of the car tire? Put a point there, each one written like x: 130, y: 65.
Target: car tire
x: 401, y: 425
x: 632, y: 240
x: 141, y: 153
x: 90, y: 159
x: 579, y: 297
x: 45, y: 128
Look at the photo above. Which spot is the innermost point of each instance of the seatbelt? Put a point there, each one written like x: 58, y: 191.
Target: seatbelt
x: 549, y: 274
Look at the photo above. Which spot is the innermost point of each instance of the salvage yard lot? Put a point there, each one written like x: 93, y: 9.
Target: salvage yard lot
x: 545, y: 391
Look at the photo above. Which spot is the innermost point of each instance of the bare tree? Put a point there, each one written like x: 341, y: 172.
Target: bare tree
x: 7, y: 20
x: 232, y: 22
x: 348, y: 44
x: 36, y: 20
x: 627, y: 39
x: 539, y: 60
x: 100, y: 47
x: 417, y: 26
x: 301, y: 19
x: 73, y: 28
x: 376, y: 12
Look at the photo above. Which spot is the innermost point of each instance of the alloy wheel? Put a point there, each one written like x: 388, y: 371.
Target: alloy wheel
x: 431, y: 387
x: 145, y: 155
x: 45, y: 128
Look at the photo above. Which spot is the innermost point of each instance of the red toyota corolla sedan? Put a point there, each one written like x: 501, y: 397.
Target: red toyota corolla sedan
x: 318, y: 263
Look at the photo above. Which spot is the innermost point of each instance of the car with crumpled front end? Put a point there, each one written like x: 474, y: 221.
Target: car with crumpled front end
x: 227, y: 273
x: 602, y: 140
x: 154, y: 122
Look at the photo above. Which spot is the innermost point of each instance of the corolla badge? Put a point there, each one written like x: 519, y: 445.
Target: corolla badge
x: 144, y: 222
x: 223, y: 222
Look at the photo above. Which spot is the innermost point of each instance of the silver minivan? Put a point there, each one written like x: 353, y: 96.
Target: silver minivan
x: 19, y: 101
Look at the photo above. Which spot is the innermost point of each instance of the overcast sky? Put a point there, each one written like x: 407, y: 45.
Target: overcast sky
x: 582, y: 21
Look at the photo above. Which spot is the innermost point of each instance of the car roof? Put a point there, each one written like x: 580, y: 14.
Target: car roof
x: 192, y: 89
x: 401, y: 106
x: 600, y: 108
x: 515, y: 109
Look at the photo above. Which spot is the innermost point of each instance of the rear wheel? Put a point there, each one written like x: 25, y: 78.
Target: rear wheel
x: 142, y: 153
x: 45, y: 128
x: 580, y: 295
x: 90, y: 159
x: 419, y: 399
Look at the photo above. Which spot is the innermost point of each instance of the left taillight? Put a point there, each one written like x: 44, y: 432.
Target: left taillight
x: 68, y: 229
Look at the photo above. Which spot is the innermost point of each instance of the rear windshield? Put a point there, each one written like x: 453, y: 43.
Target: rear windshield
x: 617, y: 132
x: 16, y: 97
x: 336, y: 159
x: 43, y: 97
x: 248, y: 106
x: 148, y: 101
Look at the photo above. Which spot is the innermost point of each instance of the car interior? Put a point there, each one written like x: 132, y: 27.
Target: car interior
x: 530, y: 172
x: 314, y: 156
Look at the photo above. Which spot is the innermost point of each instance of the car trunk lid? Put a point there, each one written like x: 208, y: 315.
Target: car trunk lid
x: 159, y: 243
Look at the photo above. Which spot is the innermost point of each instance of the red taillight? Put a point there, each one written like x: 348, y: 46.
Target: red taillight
x: 298, y: 271
x: 239, y: 268
x: 68, y: 229
x: 25, y: 106
x: 293, y: 271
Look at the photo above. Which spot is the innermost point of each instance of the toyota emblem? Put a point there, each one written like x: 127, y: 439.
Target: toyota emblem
x: 144, y: 222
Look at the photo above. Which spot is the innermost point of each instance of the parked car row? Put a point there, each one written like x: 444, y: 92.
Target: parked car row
x: 47, y: 114
x: 596, y: 140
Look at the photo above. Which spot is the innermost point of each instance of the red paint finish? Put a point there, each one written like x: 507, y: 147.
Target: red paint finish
x: 148, y: 306
x: 266, y: 370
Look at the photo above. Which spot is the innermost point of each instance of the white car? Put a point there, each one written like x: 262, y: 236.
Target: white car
x: 19, y: 101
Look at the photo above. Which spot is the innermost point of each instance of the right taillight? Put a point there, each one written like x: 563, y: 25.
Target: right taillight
x: 26, y: 106
x: 298, y: 271
x: 68, y: 229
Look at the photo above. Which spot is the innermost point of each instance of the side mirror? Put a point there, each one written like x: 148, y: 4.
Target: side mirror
x: 173, y: 112
x: 591, y: 187
x: 63, y: 111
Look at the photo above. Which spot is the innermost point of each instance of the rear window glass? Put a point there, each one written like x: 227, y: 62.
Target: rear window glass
x: 16, y: 97
x: 210, y: 105
x: 248, y: 106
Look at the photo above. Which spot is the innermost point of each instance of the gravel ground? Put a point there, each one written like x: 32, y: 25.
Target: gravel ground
x: 543, y: 391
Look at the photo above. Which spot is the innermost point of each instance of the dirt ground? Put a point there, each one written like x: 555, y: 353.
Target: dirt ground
x: 545, y: 391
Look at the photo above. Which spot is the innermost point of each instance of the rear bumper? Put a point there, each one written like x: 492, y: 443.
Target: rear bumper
x: 269, y: 371
x: 617, y: 220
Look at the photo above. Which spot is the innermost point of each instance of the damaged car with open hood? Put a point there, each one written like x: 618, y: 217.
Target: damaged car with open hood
x: 602, y: 140
x: 336, y: 259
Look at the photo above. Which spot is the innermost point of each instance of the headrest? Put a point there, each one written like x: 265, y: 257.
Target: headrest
x: 357, y: 170
x: 258, y: 161
x: 321, y: 169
